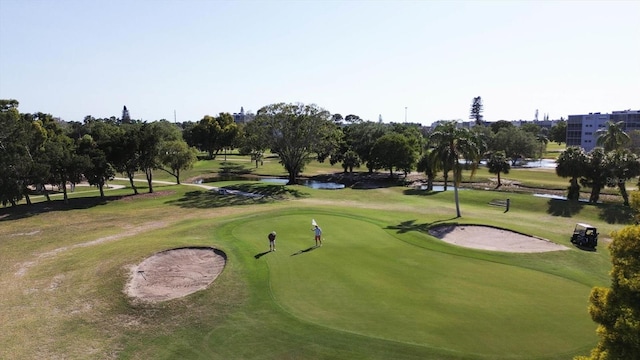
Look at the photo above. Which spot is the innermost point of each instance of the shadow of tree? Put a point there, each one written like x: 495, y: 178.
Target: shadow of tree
x: 564, y: 208
x: 269, y: 190
x: 25, y: 211
x: 204, y: 199
x: 411, y: 225
x: 418, y: 192
x: 616, y: 214
x: 228, y: 168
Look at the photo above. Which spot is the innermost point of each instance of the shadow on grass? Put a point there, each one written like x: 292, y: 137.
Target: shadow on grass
x: 269, y: 190
x: 564, y: 208
x: 419, y: 192
x: 25, y: 211
x: 616, y: 214
x: 258, y: 256
x: 228, y: 168
x: 411, y: 225
x: 304, y: 251
x: 204, y: 199
x: 585, y: 248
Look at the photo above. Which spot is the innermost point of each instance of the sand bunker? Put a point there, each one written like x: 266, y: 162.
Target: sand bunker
x: 175, y: 273
x: 490, y: 238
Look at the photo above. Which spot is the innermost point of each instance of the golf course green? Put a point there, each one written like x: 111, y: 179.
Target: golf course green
x: 385, y: 285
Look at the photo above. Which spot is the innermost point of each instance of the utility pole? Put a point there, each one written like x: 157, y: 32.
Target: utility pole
x: 405, y: 114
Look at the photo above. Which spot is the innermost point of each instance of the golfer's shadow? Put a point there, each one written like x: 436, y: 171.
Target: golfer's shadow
x: 258, y: 256
x: 304, y: 251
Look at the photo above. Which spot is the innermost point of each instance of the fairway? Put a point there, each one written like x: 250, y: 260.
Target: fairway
x: 369, y: 281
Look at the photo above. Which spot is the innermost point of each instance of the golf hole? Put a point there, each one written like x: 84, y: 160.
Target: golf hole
x: 175, y: 273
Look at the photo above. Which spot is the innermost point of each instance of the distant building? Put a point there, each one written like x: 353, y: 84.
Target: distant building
x: 242, y: 117
x: 581, y: 129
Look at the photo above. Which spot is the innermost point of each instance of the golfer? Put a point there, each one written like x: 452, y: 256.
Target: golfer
x: 272, y: 241
x: 318, y: 233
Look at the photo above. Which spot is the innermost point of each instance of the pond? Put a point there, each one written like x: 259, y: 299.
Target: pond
x: 309, y: 183
x: 557, y: 197
x: 437, y: 188
x: 542, y: 163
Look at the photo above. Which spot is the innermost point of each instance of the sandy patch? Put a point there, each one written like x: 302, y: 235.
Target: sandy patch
x: 490, y: 238
x: 175, y: 273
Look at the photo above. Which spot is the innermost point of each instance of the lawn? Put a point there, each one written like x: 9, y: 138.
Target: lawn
x: 380, y: 287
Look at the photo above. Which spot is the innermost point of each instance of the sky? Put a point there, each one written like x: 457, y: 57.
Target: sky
x: 419, y: 61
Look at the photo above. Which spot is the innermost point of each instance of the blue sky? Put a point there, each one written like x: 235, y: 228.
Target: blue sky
x: 425, y: 60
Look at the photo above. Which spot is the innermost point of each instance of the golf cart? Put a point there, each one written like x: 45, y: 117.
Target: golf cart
x: 585, y: 235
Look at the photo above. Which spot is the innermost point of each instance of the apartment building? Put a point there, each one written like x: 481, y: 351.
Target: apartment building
x: 581, y: 129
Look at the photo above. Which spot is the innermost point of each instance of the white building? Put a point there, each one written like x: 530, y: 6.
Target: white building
x: 581, y: 129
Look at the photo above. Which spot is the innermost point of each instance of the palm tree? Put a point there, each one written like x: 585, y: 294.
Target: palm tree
x: 571, y: 163
x: 613, y: 136
x: 451, y: 144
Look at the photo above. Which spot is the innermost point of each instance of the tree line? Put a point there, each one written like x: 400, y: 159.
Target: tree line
x: 38, y: 150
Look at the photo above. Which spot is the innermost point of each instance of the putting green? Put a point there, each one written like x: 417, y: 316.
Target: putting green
x: 365, y: 280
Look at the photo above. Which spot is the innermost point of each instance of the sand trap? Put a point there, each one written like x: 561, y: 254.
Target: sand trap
x: 175, y: 273
x: 490, y: 238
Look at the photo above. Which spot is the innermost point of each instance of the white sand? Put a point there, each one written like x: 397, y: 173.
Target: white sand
x: 490, y: 238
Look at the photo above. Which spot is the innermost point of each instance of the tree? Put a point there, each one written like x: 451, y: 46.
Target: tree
x: 228, y: 135
x: 351, y: 118
x: 613, y: 136
x: 254, y: 141
x: 596, y: 173
x: 393, y: 150
x: 125, y: 151
x: 500, y: 124
x: 558, y: 132
x: 497, y: 164
x: 350, y: 160
x: 571, y: 163
x: 634, y: 203
x: 623, y: 165
x: 532, y: 128
x: 295, y: 132
x: 617, y: 309
x: 476, y: 110
x: 13, y: 155
x: 516, y: 143
x: 361, y: 136
x: 176, y: 155
x: 98, y: 170
x: 542, y: 140
x: 213, y: 134
x: 430, y: 167
x: 152, y: 137
x: 451, y: 144
x: 63, y: 162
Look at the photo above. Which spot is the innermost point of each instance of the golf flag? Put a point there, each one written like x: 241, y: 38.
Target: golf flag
x: 313, y: 222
